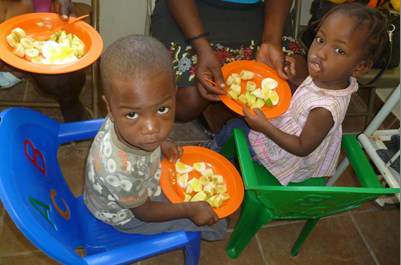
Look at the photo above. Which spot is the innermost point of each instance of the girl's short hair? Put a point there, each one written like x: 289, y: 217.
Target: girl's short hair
x: 374, y: 20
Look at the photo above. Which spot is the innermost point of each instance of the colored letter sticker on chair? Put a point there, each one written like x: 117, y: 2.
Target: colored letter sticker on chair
x: 40, y: 203
x: 266, y: 200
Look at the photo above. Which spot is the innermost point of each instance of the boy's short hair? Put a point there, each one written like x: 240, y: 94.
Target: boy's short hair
x: 133, y: 57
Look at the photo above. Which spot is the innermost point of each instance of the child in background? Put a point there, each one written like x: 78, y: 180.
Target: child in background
x: 305, y: 141
x: 123, y: 167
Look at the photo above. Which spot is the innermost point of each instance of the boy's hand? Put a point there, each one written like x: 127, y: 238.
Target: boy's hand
x: 257, y: 121
x: 171, y: 150
x: 296, y: 69
x: 202, y: 214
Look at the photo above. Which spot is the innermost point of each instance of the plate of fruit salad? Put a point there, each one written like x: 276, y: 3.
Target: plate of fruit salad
x: 68, y: 50
x: 202, y: 174
x: 255, y: 85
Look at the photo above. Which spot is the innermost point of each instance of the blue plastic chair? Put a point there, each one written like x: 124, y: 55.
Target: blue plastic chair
x: 39, y: 201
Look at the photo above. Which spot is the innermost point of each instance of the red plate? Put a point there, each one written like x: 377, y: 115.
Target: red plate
x: 91, y: 38
x: 261, y: 71
x: 220, y: 166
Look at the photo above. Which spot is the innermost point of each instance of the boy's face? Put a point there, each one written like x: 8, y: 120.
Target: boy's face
x: 143, y: 109
x: 337, y: 52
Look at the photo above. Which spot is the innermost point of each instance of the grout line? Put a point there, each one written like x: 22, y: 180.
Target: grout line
x: 261, y: 251
x: 371, y: 252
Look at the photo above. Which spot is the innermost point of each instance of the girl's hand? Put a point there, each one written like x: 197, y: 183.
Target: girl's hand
x: 296, y: 69
x: 202, y: 214
x: 273, y: 56
x: 171, y: 150
x: 257, y: 121
x: 209, y: 67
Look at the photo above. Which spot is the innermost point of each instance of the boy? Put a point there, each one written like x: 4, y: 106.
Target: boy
x: 123, y: 166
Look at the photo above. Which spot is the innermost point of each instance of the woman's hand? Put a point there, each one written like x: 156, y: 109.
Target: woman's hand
x: 208, y: 67
x: 171, y: 150
x: 272, y: 55
x: 296, y: 69
x: 256, y: 121
x: 64, y: 8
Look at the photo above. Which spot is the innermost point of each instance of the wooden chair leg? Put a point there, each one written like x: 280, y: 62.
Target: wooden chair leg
x: 310, y: 224
x: 253, y: 216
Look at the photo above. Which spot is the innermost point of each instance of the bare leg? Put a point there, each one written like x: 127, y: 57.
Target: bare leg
x: 66, y: 88
x: 189, y: 104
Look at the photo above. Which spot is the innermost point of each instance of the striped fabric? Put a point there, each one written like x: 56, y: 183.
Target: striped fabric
x: 287, y: 167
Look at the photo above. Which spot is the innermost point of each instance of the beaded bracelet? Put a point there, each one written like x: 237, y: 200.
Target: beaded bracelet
x: 201, y: 35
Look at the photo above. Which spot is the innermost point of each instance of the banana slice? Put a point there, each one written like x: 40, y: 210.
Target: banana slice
x: 28, y: 43
x: 12, y: 40
x: 19, y: 50
x: 19, y: 32
x: 31, y: 53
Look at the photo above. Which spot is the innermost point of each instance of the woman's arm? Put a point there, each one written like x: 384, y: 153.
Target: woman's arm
x: 270, y: 52
x: 317, y: 126
x: 187, y: 17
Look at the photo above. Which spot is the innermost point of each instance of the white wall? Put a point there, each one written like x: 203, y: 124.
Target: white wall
x: 119, y: 18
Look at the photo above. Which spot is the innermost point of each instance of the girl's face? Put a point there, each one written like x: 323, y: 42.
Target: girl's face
x: 143, y: 109
x: 337, y: 52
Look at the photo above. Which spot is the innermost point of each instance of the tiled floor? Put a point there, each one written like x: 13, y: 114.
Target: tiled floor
x: 368, y: 235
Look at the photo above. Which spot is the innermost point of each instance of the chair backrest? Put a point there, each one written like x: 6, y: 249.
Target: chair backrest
x: 32, y: 187
x: 310, y: 199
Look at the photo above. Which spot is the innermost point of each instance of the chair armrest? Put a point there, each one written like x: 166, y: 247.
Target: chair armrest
x: 76, y: 131
x: 359, y: 162
x: 244, y: 159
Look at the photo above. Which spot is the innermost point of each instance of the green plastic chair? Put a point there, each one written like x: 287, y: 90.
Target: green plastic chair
x: 266, y: 199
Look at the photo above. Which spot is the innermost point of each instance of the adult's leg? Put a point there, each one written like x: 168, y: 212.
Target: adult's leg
x: 66, y: 88
x: 189, y: 104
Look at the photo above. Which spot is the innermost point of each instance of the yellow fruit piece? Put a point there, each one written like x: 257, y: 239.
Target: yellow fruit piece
x: 242, y: 99
x: 218, y: 179
x: 28, y: 43
x: 187, y: 197
x: 236, y: 88
x: 250, y: 86
x: 200, y: 196
x: 225, y: 196
x: 199, y: 166
x: 208, y: 172
x: 209, y: 188
x: 182, y: 168
x: 195, y: 185
x: 19, y: 32
x: 215, y: 201
x: 221, y: 188
x: 203, y: 180
x: 182, y: 180
x: 12, y: 40
x: 269, y: 83
x: 233, y: 94
x: 19, y: 50
x: 247, y: 75
x: 274, y: 97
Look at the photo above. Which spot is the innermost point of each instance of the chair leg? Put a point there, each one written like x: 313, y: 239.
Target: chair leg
x: 192, y: 249
x: 310, y: 224
x: 253, y: 216
x: 228, y: 150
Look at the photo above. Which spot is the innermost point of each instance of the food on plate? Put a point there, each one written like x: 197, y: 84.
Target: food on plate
x: 61, y: 48
x: 247, y: 75
x: 252, y: 96
x: 209, y: 187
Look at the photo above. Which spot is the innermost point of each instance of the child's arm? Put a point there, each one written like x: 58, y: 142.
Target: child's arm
x: 171, y: 150
x: 317, y: 125
x: 199, y: 212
